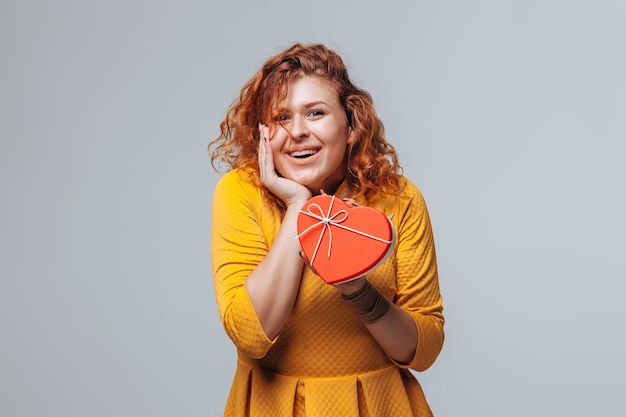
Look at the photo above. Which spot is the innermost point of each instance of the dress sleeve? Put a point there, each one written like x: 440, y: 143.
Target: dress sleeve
x: 417, y: 279
x: 237, y: 246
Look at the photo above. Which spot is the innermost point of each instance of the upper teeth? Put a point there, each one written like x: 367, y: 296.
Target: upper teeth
x: 307, y: 152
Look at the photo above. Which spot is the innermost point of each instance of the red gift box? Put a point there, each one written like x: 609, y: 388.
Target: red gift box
x: 341, y: 242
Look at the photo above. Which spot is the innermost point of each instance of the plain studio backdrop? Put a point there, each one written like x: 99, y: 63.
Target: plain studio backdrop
x: 509, y: 115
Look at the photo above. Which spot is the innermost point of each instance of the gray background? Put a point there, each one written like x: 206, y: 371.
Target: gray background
x: 508, y: 114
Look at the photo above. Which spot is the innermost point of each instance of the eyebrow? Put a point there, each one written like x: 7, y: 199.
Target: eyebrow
x: 315, y: 103
x: 304, y: 106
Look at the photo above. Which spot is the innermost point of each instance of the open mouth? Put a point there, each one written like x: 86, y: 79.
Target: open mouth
x: 303, y: 154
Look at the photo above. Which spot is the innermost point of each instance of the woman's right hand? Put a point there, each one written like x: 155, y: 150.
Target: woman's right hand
x: 273, y: 284
x: 287, y: 190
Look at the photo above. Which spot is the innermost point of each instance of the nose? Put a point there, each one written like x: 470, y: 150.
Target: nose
x: 299, y: 128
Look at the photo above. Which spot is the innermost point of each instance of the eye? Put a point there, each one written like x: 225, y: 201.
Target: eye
x: 280, y: 118
x: 314, y: 114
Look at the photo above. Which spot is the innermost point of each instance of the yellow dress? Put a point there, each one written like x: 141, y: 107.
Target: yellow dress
x: 324, y: 362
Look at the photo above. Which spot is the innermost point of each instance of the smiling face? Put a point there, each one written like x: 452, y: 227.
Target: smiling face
x: 310, y: 134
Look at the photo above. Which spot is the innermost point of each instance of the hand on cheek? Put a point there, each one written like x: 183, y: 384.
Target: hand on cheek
x: 287, y: 190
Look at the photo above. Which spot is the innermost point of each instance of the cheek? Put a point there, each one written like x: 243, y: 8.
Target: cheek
x: 272, y: 131
x: 275, y: 146
x: 276, y: 131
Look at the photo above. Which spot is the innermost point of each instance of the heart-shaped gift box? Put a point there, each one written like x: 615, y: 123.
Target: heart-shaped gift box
x: 341, y: 242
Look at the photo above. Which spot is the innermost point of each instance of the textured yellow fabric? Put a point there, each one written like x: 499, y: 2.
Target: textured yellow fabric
x: 324, y: 362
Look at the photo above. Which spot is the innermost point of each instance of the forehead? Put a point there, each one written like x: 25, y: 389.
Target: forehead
x: 307, y: 89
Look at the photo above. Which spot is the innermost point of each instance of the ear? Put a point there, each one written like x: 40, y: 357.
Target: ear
x: 349, y: 121
x: 351, y: 136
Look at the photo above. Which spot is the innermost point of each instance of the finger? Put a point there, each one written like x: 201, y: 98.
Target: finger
x: 262, y: 151
x: 306, y: 261
x: 266, y: 161
x: 304, y: 258
x: 350, y: 202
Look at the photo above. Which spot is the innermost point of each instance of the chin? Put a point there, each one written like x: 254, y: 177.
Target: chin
x: 306, y: 180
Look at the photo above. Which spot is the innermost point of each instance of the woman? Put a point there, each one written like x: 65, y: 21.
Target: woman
x: 300, y: 128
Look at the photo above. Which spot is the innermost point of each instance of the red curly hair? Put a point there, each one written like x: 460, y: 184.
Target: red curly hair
x: 372, y: 163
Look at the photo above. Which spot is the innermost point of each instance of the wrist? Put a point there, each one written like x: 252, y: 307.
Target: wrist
x: 351, y: 287
x: 368, y: 304
x: 297, y: 203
